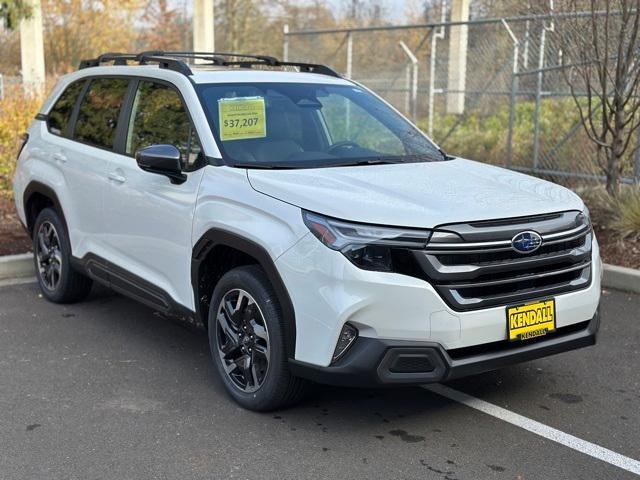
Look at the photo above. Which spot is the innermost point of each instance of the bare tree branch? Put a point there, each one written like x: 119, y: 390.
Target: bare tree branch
x: 604, y: 53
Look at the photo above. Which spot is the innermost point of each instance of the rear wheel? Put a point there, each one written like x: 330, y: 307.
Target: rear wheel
x: 246, y: 337
x: 58, y: 281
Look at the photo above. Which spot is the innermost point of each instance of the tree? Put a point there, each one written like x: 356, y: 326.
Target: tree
x: 602, y: 67
x: 12, y: 11
x: 164, y: 27
x: 9, y: 52
x: 79, y: 29
x: 239, y: 24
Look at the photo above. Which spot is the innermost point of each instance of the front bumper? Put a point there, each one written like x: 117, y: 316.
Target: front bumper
x: 373, y: 362
x: 327, y: 291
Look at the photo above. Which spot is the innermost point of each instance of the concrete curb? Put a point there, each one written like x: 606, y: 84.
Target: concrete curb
x: 16, y: 266
x: 621, y: 278
x: 618, y: 278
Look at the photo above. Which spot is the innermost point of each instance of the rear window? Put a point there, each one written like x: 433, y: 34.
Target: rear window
x: 58, y: 122
x: 99, y: 111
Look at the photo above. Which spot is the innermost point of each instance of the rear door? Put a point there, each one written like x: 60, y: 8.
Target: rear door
x: 85, y: 144
x: 54, y: 149
x: 148, y: 218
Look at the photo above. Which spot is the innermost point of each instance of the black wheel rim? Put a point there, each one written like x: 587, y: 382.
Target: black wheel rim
x: 49, y: 255
x: 242, y: 340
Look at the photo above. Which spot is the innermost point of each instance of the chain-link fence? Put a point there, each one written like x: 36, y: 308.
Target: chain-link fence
x: 493, y: 89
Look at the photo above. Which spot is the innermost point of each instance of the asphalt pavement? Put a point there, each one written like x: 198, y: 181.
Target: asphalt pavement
x: 108, y: 389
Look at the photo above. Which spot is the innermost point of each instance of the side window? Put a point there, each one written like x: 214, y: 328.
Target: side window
x: 99, y: 110
x: 158, y: 116
x: 348, y: 122
x: 60, y: 114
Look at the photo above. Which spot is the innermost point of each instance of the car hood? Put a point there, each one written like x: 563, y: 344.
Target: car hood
x: 415, y: 194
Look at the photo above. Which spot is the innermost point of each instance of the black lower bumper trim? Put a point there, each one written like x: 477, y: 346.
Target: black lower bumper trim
x: 372, y: 362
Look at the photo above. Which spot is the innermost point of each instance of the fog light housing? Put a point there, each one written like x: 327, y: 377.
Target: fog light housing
x: 370, y: 257
x: 348, y: 335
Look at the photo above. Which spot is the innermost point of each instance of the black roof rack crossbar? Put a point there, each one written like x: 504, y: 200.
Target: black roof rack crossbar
x: 168, y: 63
x: 142, y: 59
x: 273, y: 61
x: 115, y: 57
x: 172, y: 61
x: 313, y: 68
x: 304, y: 67
x: 216, y: 60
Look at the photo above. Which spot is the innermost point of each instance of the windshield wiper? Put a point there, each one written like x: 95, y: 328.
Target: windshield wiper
x: 375, y: 161
x: 368, y: 161
x: 346, y: 162
x: 311, y: 164
x: 264, y: 166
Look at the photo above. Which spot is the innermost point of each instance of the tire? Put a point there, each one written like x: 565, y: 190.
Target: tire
x: 259, y: 334
x: 58, y: 281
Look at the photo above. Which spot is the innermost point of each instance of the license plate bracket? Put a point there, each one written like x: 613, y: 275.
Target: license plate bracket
x: 531, y: 320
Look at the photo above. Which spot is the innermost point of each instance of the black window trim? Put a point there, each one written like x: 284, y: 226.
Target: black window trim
x: 71, y: 123
x: 76, y: 112
x: 125, y: 113
x: 127, y: 110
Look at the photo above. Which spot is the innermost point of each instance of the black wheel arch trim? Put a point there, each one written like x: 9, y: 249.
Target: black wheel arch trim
x: 38, y: 187
x: 217, y: 237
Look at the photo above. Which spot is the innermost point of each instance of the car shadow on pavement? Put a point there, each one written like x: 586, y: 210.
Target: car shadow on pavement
x: 147, y: 330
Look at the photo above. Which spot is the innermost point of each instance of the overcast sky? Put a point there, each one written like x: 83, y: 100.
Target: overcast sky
x: 395, y: 8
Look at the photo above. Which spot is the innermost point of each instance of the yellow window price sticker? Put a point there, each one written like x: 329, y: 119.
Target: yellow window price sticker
x: 242, y: 118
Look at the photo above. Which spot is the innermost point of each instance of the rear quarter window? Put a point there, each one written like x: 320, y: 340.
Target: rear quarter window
x: 99, y: 112
x: 60, y: 114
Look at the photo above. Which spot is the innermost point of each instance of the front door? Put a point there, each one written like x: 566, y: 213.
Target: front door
x: 149, y: 219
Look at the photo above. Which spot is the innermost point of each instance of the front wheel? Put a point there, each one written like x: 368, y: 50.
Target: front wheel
x: 247, y: 341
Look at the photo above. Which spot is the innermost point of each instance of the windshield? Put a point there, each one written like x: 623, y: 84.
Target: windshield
x: 293, y: 125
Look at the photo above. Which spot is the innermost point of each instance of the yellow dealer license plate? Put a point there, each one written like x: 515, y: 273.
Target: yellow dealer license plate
x: 531, y: 320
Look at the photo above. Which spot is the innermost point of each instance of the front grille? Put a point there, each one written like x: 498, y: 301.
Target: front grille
x: 481, y: 269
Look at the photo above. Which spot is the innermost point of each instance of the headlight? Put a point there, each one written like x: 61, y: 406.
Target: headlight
x: 368, y: 246
x: 587, y: 214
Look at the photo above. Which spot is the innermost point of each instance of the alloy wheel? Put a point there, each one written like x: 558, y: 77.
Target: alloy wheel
x: 242, y: 340
x: 49, y: 255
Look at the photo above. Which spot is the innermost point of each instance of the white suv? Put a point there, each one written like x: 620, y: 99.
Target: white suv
x: 314, y: 231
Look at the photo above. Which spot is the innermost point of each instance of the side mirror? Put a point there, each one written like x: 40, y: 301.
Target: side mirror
x: 163, y: 160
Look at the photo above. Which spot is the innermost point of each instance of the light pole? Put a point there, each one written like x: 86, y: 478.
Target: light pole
x: 457, y: 71
x: 32, y: 49
x: 203, y: 26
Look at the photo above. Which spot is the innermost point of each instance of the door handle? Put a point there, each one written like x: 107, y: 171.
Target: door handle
x: 117, y: 178
x: 60, y: 158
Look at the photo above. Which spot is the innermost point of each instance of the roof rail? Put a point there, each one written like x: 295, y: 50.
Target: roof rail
x: 122, y: 59
x: 219, y: 56
x: 174, y: 61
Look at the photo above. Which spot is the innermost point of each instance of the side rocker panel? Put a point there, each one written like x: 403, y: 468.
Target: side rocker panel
x: 129, y: 284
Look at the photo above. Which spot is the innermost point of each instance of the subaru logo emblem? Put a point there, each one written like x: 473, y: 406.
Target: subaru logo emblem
x: 526, y: 242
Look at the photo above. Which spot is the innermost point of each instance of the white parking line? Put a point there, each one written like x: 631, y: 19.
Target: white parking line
x: 550, y: 433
